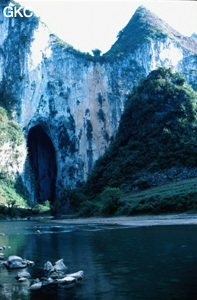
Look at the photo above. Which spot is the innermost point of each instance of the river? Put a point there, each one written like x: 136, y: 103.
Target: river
x: 119, y: 262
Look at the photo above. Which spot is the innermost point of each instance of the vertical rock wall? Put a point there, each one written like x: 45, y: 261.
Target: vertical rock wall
x: 76, y: 100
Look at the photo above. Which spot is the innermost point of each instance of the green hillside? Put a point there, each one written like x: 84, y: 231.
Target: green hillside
x: 157, y: 132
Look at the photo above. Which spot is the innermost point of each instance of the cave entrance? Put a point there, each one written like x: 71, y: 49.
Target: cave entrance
x: 43, y: 162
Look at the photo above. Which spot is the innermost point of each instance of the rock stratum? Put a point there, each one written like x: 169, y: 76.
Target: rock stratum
x: 69, y: 103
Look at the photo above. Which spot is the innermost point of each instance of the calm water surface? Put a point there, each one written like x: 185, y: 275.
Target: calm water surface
x: 158, y: 262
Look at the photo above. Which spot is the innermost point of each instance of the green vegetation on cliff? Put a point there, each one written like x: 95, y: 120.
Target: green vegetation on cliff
x: 145, y: 26
x: 12, y: 191
x: 157, y: 132
x: 10, y: 131
x: 14, y: 197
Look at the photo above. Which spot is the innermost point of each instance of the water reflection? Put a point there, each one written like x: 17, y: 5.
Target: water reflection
x: 128, y: 263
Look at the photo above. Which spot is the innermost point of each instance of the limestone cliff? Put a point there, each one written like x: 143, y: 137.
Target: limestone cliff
x: 75, y: 101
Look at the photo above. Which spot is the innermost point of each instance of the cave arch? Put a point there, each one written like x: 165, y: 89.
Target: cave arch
x: 43, y: 162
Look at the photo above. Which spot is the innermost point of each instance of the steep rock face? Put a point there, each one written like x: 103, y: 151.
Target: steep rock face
x: 76, y: 100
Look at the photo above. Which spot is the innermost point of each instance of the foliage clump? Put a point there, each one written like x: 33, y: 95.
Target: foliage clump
x: 10, y: 131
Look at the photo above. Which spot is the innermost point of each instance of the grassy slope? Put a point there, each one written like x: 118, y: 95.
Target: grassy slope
x: 177, y: 197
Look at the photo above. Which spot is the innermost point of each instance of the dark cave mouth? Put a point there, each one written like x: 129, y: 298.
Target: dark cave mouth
x: 43, y: 162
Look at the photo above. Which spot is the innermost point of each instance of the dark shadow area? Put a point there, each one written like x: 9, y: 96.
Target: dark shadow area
x: 43, y: 161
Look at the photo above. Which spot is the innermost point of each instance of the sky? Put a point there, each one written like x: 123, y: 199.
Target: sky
x: 94, y: 24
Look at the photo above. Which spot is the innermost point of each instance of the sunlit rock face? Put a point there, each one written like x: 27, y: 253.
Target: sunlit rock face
x: 72, y: 100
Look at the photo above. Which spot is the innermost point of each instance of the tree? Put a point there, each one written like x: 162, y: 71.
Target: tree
x: 96, y: 52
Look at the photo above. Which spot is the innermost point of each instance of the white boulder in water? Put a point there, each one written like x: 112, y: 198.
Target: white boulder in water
x: 78, y: 275
x: 16, y: 262
x: 23, y: 274
x: 2, y: 256
x: 60, y: 266
x: 48, y: 267
x: 36, y: 286
x: 67, y: 279
x: 70, y: 279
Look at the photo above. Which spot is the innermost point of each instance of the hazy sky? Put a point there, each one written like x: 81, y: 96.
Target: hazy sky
x: 91, y: 24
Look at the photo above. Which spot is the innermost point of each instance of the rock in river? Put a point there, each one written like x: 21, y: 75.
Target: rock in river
x: 2, y: 256
x: 23, y: 274
x: 60, y: 266
x: 16, y: 262
x: 48, y: 267
x: 36, y: 286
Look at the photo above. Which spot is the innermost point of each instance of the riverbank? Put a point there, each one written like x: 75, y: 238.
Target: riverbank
x: 133, y: 221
